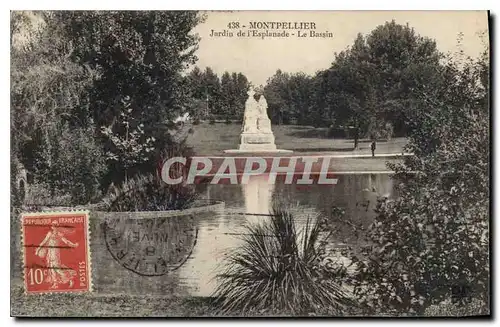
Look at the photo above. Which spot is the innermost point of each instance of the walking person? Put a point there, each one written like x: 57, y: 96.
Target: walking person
x: 373, y: 146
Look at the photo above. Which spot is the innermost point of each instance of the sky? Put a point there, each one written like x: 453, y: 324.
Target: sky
x: 259, y: 58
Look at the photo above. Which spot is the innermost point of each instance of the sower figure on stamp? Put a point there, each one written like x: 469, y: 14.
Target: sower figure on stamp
x: 50, y: 249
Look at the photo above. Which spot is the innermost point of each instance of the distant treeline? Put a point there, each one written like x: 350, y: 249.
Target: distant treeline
x: 213, y: 97
x: 369, y: 87
x: 368, y: 91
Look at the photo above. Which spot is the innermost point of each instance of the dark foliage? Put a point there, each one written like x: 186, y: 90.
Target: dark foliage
x: 278, y: 269
x: 149, y: 193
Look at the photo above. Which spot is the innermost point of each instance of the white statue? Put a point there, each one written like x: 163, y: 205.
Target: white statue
x: 263, y: 121
x: 263, y: 106
x: 255, y: 118
x: 251, y: 113
x: 256, y: 135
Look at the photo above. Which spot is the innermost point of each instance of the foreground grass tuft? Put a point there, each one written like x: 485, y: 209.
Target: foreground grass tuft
x: 278, y: 269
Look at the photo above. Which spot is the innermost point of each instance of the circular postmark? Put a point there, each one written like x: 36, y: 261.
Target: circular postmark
x: 151, y: 246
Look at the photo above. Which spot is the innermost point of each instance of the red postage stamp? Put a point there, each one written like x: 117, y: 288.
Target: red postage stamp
x: 56, y: 252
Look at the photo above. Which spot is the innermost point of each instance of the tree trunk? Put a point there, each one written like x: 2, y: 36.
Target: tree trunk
x: 356, y: 139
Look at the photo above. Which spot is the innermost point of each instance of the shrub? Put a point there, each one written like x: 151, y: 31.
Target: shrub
x: 39, y: 195
x: 150, y: 193
x: 87, y: 166
x: 277, y: 269
x: 334, y: 132
x: 130, y: 145
x: 72, y: 163
x: 211, y: 120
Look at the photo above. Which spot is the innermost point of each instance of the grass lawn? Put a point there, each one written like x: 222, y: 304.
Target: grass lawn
x: 122, y: 306
x: 119, y: 306
x: 303, y: 140
x: 92, y: 305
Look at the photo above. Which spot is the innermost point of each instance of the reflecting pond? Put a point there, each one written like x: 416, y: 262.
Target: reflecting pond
x: 355, y: 193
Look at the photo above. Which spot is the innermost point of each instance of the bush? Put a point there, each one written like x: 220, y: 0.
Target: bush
x: 196, y: 121
x: 277, y: 269
x: 39, y: 195
x: 335, y: 132
x: 72, y: 163
x: 150, y: 193
x: 211, y: 120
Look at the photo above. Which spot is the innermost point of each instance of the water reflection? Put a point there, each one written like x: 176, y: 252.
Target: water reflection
x: 258, y: 195
x: 355, y: 193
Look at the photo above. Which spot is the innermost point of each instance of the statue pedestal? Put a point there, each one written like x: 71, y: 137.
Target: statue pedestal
x: 257, y: 141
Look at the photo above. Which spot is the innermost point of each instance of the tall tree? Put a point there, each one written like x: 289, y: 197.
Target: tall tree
x: 227, y: 96
x: 198, y: 97
x: 50, y: 109
x: 322, y: 102
x: 431, y: 243
x: 300, y: 92
x: 371, y: 83
x: 290, y: 97
x: 403, y: 60
x: 241, y: 86
x: 139, y: 56
x: 276, y: 94
x: 195, y: 81
x: 352, y: 79
x: 211, y: 83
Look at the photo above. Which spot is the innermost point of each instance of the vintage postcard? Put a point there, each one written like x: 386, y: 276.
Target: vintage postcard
x: 250, y: 164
